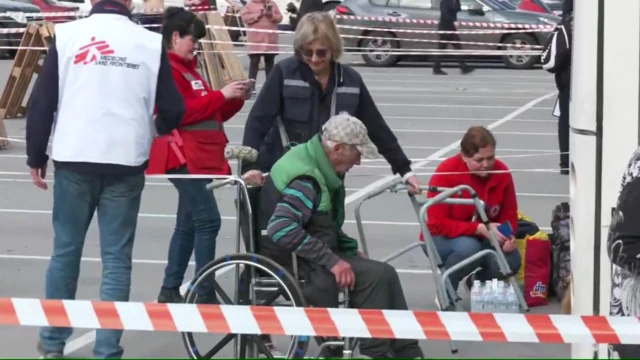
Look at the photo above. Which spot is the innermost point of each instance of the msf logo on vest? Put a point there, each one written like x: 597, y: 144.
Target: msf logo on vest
x: 100, y: 53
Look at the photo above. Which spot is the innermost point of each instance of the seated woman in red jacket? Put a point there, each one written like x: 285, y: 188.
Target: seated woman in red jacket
x: 196, y: 147
x: 456, y: 230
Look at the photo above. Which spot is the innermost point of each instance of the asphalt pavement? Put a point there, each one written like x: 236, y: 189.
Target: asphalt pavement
x: 428, y: 114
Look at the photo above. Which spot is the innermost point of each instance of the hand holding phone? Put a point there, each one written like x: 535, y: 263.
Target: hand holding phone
x: 250, y: 85
x: 506, y: 229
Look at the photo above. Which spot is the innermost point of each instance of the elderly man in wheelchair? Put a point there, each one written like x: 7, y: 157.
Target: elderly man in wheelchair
x: 302, y: 209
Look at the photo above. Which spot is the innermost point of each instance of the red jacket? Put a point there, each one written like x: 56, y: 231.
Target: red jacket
x: 497, y: 191
x: 201, y: 150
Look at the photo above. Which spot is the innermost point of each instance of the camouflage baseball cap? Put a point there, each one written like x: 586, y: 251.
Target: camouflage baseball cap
x: 346, y: 129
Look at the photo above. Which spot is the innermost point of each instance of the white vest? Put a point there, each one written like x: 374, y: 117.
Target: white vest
x: 107, y: 90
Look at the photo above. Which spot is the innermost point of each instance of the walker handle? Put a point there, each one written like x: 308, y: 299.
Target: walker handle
x: 242, y: 153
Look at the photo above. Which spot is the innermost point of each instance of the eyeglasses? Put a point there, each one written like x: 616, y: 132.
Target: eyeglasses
x: 320, y: 53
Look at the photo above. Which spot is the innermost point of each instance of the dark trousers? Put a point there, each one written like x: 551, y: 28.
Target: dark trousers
x: 198, y: 222
x: 453, y: 251
x: 624, y: 351
x: 443, y: 45
x: 254, y: 64
x: 76, y: 197
x: 563, y: 128
x: 377, y: 287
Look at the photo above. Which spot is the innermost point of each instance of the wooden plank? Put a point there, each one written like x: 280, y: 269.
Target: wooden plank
x: 26, y: 63
x: 220, y: 63
x: 209, y: 59
x: 3, y: 133
x: 16, y: 70
x: 231, y: 61
x: 31, y: 59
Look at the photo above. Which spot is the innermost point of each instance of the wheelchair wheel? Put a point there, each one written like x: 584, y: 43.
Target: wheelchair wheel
x: 274, y: 281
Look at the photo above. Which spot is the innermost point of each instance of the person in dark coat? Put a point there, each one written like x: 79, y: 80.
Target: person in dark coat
x: 304, y: 91
x: 556, y: 59
x: 567, y: 8
x: 623, y: 249
x: 448, y: 16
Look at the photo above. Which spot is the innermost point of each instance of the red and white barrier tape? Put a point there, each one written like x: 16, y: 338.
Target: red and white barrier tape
x: 382, y: 38
x: 421, y: 31
x: 292, y: 321
x: 459, y: 23
x: 159, y: 11
x: 198, y: 9
x: 363, y: 52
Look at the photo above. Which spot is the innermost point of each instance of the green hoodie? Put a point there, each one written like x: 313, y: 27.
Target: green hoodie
x: 310, y: 159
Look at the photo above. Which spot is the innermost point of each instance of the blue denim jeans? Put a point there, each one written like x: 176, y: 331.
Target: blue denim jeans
x: 453, y: 251
x: 76, y: 197
x: 198, y: 222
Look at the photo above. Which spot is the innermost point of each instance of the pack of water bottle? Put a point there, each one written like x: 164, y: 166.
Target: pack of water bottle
x: 494, y: 297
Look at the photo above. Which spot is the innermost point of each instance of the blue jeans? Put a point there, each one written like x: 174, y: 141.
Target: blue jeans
x: 453, y: 251
x: 76, y: 197
x: 198, y: 222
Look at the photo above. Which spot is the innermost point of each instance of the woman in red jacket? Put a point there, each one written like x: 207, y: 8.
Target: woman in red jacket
x: 456, y: 230
x: 196, y: 147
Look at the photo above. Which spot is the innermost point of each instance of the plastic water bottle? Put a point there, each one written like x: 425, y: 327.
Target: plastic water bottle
x: 514, y: 303
x: 477, y: 303
x: 489, y: 301
x: 501, y: 297
x: 495, y: 293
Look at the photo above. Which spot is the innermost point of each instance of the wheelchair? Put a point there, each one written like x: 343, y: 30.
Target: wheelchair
x: 444, y: 288
x: 259, y: 274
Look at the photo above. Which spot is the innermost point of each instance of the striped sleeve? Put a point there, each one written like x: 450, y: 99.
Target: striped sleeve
x: 286, y: 226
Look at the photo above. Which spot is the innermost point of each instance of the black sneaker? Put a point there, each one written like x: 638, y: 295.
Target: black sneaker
x: 439, y: 72
x: 46, y: 354
x: 564, y: 169
x: 208, y: 299
x: 467, y: 70
x: 268, y: 343
x: 170, y: 296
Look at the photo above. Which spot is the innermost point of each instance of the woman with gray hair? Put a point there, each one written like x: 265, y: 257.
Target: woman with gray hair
x: 304, y: 91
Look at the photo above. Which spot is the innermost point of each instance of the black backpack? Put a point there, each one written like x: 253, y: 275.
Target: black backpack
x: 560, y: 251
x: 556, y: 53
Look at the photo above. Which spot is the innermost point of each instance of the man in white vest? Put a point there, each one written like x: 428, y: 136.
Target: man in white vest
x: 99, y: 85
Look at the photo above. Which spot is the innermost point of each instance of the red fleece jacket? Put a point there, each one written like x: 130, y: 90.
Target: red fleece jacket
x: 497, y: 191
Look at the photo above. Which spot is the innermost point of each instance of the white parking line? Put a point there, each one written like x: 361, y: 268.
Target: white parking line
x: 157, y: 262
x: 151, y: 183
x: 397, y: 72
x: 409, y: 93
x: 426, y: 118
x: 530, y: 105
x: 458, y: 106
x: 499, y: 152
x: 431, y: 131
x: 225, y: 218
x: 464, y: 80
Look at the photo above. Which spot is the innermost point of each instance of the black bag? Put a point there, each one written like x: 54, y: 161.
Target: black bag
x: 556, y: 53
x: 561, y: 250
